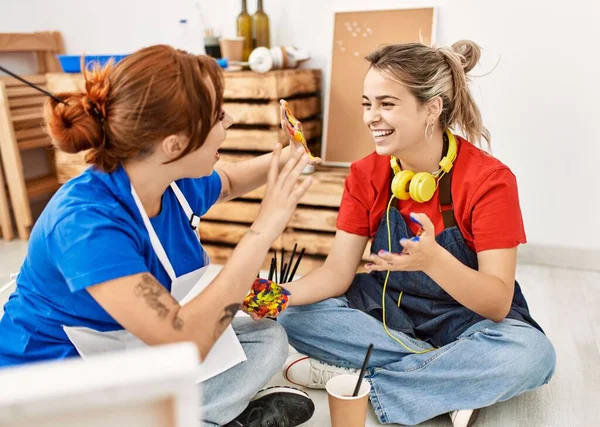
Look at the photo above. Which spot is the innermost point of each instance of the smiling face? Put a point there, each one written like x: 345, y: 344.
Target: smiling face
x: 393, y: 115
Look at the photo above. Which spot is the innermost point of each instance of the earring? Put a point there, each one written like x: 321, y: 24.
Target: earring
x: 427, y: 130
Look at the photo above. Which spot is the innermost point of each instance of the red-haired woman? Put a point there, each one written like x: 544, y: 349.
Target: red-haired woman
x: 116, y: 249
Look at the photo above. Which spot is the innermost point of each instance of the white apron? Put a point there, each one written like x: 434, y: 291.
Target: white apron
x: 227, y: 351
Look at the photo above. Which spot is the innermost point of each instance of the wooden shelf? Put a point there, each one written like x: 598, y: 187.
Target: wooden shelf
x: 29, y: 101
x: 23, y: 91
x: 304, y: 218
x: 31, y: 133
x: 30, y: 144
x: 22, y: 120
x: 272, y: 85
x: 38, y: 79
x: 26, y: 112
x: 42, y: 185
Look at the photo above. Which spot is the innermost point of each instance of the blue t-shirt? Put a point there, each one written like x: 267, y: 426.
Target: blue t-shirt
x: 90, y: 232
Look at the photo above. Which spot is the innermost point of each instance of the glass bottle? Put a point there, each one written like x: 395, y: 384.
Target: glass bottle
x: 260, y: 27
x: 244, y: 29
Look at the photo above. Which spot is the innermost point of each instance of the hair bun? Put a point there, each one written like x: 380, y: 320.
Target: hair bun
x: 71, y: 127
x: 79, y: 125
x: 469, y: 52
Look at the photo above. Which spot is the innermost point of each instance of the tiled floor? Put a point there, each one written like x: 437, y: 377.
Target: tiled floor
x: 567, y: 305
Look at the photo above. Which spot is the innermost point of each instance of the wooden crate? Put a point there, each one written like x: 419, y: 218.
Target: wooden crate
x: 311, y: 227
x: 253, y: 101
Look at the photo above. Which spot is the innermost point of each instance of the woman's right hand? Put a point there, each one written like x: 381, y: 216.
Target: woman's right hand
x: 289, y: 131
x: 284, y: 191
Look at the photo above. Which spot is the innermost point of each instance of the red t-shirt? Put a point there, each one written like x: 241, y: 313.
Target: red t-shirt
x: 484, y: 193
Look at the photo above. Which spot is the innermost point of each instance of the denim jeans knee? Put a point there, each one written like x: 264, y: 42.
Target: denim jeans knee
x: 276, y: 346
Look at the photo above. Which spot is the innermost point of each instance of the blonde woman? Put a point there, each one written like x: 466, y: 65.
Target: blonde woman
x: 451, y: 328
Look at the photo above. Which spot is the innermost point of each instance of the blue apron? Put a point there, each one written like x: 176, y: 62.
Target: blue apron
x: 427, y: 311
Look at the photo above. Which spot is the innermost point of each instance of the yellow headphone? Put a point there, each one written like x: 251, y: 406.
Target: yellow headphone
x: 421, y: 185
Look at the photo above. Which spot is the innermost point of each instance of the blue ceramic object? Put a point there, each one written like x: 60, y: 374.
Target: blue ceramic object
x: 72, y: 63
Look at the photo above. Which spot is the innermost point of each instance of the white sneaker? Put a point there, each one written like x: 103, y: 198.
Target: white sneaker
x: 464, y: 417
x: 307, y: 372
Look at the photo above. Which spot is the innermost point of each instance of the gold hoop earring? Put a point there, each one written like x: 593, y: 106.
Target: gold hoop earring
x: 427, y: 129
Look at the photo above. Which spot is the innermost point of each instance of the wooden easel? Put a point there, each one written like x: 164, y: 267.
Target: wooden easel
x: 21, y: 117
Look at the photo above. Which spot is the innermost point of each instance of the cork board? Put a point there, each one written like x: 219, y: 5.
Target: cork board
x: 355, y: 35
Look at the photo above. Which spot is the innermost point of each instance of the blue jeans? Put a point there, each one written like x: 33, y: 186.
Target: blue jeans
x: 226, y: 396
x: 488, y: 363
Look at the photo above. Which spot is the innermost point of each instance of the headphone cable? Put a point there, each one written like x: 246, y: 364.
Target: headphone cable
x: 387, y: 276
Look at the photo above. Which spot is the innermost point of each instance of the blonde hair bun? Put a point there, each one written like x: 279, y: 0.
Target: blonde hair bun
x: 469, y: 52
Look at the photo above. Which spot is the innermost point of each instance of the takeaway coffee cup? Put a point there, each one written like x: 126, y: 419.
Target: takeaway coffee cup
x: 346, y: 410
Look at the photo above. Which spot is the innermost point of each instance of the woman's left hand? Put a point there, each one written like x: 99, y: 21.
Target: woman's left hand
x: 418, y: 253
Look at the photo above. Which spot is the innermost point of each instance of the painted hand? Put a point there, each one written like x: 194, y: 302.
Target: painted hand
x: 417, y: 255
x: 265, y: 299
x: 292, y: 127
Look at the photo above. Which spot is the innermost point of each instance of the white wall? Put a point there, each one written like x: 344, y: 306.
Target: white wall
x: 540, y: 103
x: 117, y: 26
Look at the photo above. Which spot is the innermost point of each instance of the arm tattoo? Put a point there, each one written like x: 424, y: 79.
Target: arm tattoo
x: 177, y: 322
x: 226, y: 318
x: 151, y: 291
